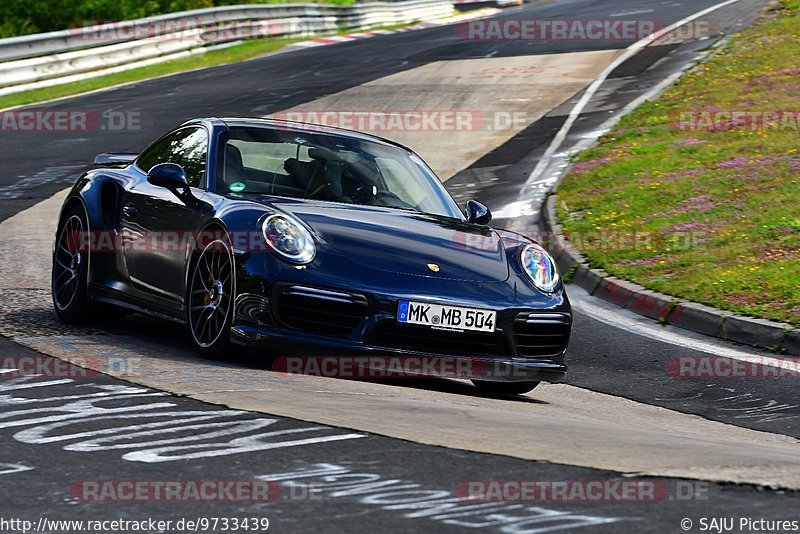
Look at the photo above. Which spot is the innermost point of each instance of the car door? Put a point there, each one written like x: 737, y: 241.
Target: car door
x: 158, y: 223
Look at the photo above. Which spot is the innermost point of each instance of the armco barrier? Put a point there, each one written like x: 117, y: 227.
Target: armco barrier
x: 48, y: 56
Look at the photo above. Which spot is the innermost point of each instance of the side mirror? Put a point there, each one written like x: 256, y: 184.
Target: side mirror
x: 477, y: 213
x: 169, y: 175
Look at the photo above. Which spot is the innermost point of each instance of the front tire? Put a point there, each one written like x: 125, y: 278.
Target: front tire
x: 70, y: 270
x: 210, y: 297
x: 505, y: 388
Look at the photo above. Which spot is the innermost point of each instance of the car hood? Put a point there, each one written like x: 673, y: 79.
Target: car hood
x: 406, y: 242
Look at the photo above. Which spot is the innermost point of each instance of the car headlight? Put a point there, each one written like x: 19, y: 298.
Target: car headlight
x: 540, y: 267
x: 289, y: 239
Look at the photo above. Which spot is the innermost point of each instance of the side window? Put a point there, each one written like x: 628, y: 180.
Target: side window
x: 187, y: 147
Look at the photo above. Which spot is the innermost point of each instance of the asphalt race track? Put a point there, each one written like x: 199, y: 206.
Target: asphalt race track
x: 391, y: 455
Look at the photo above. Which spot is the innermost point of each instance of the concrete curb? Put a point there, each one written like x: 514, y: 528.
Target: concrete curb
x: 760, y: 333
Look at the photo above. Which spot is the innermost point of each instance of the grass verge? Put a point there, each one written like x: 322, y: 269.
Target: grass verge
x: 691, y: 199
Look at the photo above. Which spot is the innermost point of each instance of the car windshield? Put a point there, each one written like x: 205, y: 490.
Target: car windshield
x: 322, y: 166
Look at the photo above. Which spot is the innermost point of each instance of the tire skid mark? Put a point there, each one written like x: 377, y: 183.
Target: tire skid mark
x: 64, y: 174
x: 749, y: 406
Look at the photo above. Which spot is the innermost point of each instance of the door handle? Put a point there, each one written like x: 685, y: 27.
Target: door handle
x: 129, y: 210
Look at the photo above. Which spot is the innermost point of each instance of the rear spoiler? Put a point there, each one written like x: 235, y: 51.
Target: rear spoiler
x: 118, y: 159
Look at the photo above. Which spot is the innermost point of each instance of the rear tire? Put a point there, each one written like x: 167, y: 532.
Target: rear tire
x: 505, y: 388
x: 69, y: 275
x: 209, y: 299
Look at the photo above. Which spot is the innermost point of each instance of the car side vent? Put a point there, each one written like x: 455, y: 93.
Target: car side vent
x: 321, y: 311
x: 541, y: 334
x: 110, y: 199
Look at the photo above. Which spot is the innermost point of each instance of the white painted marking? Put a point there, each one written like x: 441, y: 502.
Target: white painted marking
x: 632, y: 12
x: 77, y: 410
x: 234, y: 446
x: 590, y: 92
x: 193, y: 433
x: 7, y: 400
x: 4, y: 371
x: 24, y: 383
x: 641, y: 326
x: 159, y: 441
x: 521, y: 207
x: 41, y: 434
x: 413, y: 501
x: 7, y: 469
x: 339, y: 38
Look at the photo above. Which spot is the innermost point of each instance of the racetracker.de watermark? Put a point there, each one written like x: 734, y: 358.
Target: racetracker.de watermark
x: 725, y: 367
x: 591, y: 240
x: 69, y: 120
x: 111, y: 31
x: 581, y: 491
x: 404, y: 120
x: 381, y: 366
x: 728, y: 120
x: 100, y: 241
x: 175, y: 491
x: 602, y: 30
x: 47, y: 367
x: 74, y: 367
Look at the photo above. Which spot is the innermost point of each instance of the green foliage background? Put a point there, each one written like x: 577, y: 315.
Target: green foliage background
x: 21, y: 17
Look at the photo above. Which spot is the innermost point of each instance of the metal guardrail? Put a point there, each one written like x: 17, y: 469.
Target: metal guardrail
x: 48, y: 56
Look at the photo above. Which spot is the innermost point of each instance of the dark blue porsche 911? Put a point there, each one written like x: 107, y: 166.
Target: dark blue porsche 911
x: 303, y: 239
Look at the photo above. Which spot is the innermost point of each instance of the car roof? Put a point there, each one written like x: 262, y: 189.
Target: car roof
x: 249, y: 122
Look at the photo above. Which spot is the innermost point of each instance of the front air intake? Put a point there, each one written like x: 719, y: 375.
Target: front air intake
x: 542, y: 334
x: 321, y: 311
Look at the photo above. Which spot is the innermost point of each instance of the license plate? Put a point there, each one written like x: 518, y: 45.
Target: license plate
x: 446, y: 317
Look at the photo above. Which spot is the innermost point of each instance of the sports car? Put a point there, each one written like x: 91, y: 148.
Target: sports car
x: 293, y: 238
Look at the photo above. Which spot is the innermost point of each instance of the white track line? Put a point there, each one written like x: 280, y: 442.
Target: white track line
x: 338, y: 38
x: 631, y: 51
x: 633, y: 12
x: 583, y: 302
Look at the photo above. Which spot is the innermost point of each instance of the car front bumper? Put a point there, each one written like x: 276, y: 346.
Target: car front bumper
x: 306, y: 353
x: 358, y: 326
